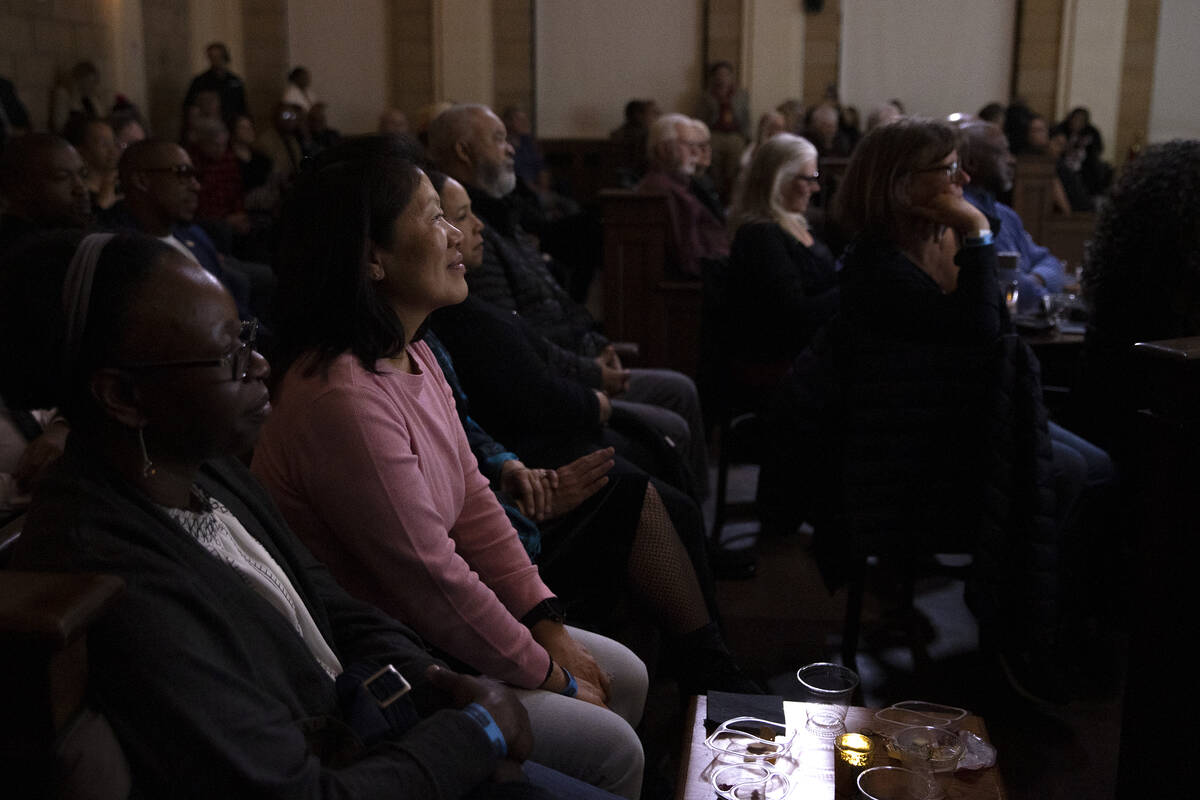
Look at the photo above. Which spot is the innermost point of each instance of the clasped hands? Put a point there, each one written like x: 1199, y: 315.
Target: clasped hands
x: 543, y: 494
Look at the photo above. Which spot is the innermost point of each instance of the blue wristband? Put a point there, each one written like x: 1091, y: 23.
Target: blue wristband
x: 572, y: 688
x: 980, y: 239
x: 484, y: 718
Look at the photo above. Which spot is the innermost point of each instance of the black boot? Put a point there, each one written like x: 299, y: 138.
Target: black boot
x: 703, y: 662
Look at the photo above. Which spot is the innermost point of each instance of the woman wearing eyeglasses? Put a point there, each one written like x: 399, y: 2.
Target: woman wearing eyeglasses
x: 232, y: 665
x: 781, y: 285
x: 915, y: 421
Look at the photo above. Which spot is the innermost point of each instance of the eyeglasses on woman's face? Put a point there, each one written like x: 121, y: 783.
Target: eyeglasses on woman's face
x: 237, y: 361
x: 951, y: 170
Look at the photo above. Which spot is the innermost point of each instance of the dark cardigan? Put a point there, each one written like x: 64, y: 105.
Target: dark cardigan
x: 210, y: 691
x: 914, y: 424
x: 778, y: 293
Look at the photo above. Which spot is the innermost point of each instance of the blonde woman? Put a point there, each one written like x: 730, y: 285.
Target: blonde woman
x: 782, y: 285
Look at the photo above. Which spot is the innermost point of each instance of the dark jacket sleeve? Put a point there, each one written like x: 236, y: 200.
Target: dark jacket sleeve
x: 510, y: 385
x: 209, y: 689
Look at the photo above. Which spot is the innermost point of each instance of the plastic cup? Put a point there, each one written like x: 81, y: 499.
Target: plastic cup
x: 895, y: 783
x: 828, y: 688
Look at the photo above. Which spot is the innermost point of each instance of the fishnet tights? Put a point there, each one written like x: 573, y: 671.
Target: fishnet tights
x: 660, y: 573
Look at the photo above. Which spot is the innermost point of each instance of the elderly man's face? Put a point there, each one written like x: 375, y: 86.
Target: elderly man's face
x: 491, y: 155
x: 681, y: 154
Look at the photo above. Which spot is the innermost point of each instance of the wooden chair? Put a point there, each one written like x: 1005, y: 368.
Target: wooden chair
x: 643, y: 302
x: 52, y: 744
x: 1065, y: 235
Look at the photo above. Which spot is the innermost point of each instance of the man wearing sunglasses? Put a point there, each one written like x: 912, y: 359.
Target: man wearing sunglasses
x: 161, y: 192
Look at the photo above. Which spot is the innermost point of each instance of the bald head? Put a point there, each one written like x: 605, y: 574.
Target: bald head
x: 160, y: 185
x: 42, y: 179
x: 983, y: 153
x: 470, y: 144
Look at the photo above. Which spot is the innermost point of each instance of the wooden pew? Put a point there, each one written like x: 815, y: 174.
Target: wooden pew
x: 582, y: 166
x: 1065, y: 235
x: 52, y: 744
x: 643, y: 303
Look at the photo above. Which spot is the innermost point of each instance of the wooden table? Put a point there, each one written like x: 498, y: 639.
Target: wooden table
x: 811, y: 764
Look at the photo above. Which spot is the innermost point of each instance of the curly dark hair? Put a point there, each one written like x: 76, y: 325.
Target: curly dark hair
x: 1142, y: 270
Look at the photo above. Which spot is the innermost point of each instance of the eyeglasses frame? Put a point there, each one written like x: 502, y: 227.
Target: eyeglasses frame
x: 238, y: 360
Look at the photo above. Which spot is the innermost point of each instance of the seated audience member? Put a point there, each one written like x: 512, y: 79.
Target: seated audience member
x: 367, y: 459
x: 1033, y: 139
x: 78, y: 93
x: 793, y: 111
x: 931, y: 414
x: 825, y: 132
x: 725, y: 108
x: 695, y: 233
x: 848, y: 126
x: 882, y: 114
x: 630, y: 138
x: 220, y: 202
x: 1140, y: 277
x: 468, y: 143
x: 625, y: 528
x: 772, y: 123
x: 985, y: 158
x: 161, y: 195
x: 284, y: 143
x: 43, y: 183
x: 14, y: 117
x: 205, y: 106
x: 1084, y: 147
x: 255, y: 167
x: 993, y: 113
x: 128, y: 127
x: 781, y: 285
x: 321, y: 135
x: 1070, y: 193
x: 392, y: 121
x: 298, y: 91
x: 233, y: 665
x: 231, y: 91
x: 97, y: 146
x: 528, y: 163
x: 701, y: 184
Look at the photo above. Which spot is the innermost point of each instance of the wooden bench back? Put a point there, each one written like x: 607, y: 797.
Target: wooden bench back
x: 643, y: 302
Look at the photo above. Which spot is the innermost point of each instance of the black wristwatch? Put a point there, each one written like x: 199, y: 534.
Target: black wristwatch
x: 551, y: 608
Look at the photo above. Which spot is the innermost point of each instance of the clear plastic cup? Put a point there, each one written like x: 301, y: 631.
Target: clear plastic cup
x: 828, y: 689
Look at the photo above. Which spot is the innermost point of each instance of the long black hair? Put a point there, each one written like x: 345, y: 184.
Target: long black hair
x: 343, y: 203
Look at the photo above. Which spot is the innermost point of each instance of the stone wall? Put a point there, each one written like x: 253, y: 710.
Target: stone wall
x: 40, y: 40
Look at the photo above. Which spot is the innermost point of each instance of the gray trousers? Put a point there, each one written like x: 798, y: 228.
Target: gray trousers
x: 587, y: 742
x: 668, y: 401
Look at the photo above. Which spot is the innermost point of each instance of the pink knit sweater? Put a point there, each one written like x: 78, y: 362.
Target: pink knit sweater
x: 374, y: 474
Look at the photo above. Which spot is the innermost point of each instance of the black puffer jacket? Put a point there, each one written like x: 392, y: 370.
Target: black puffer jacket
x: 914, y: 424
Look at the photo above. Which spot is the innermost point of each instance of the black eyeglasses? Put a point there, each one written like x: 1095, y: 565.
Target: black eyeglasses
x: 185, y: 172
x: 237, y: 361
x: 950, y: 170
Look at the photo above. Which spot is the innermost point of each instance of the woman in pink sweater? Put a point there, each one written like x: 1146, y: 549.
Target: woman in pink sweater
x: 367, y: 460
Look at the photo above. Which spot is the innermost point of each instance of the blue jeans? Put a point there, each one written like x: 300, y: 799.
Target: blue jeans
x: 1079, y: 467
